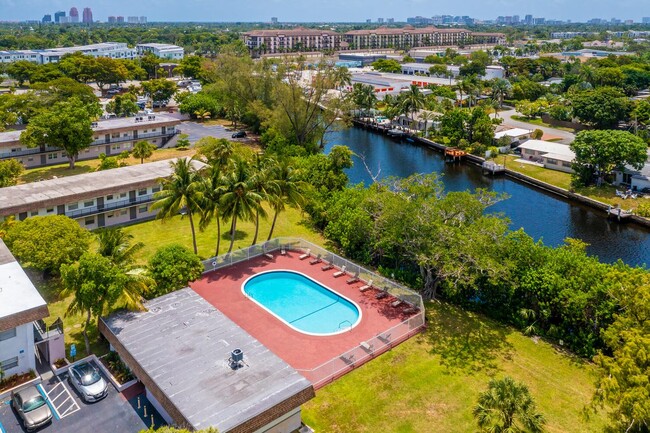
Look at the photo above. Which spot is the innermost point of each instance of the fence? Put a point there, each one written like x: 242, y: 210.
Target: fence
x: 366, y: 350
x: 295, y: 244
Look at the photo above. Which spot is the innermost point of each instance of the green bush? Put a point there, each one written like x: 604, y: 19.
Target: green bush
x: 172, y: 267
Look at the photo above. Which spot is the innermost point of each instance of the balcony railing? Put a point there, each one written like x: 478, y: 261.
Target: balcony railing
x: 113, y: 205
x: 103, y: 140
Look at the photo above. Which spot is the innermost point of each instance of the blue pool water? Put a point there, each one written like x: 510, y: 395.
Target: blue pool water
x: 302, y: 303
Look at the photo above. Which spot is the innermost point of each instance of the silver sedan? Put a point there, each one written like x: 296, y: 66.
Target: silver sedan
x: 88, y: 382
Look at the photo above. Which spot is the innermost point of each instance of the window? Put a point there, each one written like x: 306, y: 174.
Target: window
x: 115, y: 147
x: 89, y: 221
x: 123, y: 212
x: 142, y: 209
x: 115, y: 135
x: 109, y: 197
x: 49, y: 210
x: 52, y: 156
x: 10, y: 363
x: 125, y: 135
x: 529, y: 151
x: 142, y: 191
x: 551, y: 161
x: 73, y: 206
x: 89, y: 203
x: 566, y: 164
x: 122, y: 195
x: 33, y: 213
x: 30, y: 159
x: 145, y: 131
x: 155, y: 189
x: 6, y: 335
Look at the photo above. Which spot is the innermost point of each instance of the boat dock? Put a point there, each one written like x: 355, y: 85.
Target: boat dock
x: 618, y: 214
x: 491, y: 167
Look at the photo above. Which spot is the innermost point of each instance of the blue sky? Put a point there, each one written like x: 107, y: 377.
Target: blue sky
x: 327, y: 10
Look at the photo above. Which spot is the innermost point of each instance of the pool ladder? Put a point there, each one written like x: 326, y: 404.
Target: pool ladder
x: 345, y: 321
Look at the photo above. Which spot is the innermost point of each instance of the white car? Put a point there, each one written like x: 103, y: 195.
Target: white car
x: 85, y: 378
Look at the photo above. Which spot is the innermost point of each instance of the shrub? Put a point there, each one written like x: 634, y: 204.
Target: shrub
x: 172, y: 267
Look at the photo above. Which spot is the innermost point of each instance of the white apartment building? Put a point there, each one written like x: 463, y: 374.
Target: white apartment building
x: 287, y: 40
x: 100, y: 199
x: 164, y: 51
x: 411, y: 37
x: 112, y: 137
x: 20, y: 306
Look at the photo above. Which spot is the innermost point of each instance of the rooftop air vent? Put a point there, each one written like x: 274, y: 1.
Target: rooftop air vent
x: 236, y: 359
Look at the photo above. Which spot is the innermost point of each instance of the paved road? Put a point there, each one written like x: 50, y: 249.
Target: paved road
x: 567, y: 137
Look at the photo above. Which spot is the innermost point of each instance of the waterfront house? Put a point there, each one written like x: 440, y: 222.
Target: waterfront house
x: 555, y: 156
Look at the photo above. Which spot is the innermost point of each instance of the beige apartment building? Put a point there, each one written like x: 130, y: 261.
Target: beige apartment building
x: 101, y: 199
x: 287, y: 40
x: 111, y: 137
x: 411, y: 37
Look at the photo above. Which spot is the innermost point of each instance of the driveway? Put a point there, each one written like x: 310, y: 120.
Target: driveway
x: 199, y: 130
x: 112, y: 414
x: 565, y: 136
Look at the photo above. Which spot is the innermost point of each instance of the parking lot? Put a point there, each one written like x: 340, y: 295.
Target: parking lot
x: 115, y: 413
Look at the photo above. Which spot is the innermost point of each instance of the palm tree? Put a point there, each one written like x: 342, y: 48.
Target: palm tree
x: 216, y: 151
x: 115, y: 244
x: 239, y: 199
x: 427, y: 116
x: 262, y: 186
x: 211, y: 190
x: 500, y: 89
x: 143, y: 150
x: 341, y: 77
x: 180, y: 191
x: 507, y: 406
x: 287, y: 190
x: 413, y: 101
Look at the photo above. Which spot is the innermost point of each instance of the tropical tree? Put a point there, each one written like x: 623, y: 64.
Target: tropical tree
x: 341, y: 77
x: 363, y: 96
x: 180, y: 192
x: 211, y: 190
x: 412, y: 101
x: 116, y: 245
x: 172, y: 267
x: 67, y: 126
x: 143, y: 150
x: 427, y: 116
x: 239, y: 200
x: 508, y: 407
x: 287, y: 189
x: 262, y: 185
x: 10, y: 170
x: 95, y: 283
x: 216, y: 151
x: 500, y: 90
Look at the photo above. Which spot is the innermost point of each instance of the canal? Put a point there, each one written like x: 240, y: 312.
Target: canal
x: 542, y: 215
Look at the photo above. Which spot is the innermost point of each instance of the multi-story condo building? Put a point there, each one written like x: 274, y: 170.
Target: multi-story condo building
x: 410, y: 37
x: 99, y: 199
x: 87, y: 16
x: 20, y: 306
x: 164, y: 51
x: 112, y: 137
x: 74, y: 15
x: 287, y: 40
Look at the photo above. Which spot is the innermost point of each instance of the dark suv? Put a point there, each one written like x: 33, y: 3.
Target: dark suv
x: 239, y: 134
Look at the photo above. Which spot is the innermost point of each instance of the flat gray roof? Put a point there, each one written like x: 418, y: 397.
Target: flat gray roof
x: 182, y: 343
x: 81, y: 186
x: 109, y: 125
x: 17, y: 293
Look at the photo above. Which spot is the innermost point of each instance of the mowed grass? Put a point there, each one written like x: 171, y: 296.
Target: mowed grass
x: 157, y: 233
x: 431, y: 382
x: 81, y: 167
x: 554, y: 177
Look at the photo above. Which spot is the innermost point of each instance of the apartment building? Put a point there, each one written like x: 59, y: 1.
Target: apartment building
x: 114, y: 50
x: 111, y: 137
x: 164, y: 51
x: 99, y: 199
x: 410, y: 37
x: 20, y: 306
x: 286, y: 40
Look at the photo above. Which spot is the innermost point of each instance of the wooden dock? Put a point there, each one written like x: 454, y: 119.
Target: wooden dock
x: 491, y: 167
x: 454, y: 154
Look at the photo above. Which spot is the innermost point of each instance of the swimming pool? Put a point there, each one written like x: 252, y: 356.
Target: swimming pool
x: 302, y: 303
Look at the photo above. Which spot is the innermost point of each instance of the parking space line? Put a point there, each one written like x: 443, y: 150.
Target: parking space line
x: 47, y: 400
x: 2, y: 429
x: 73, y: 406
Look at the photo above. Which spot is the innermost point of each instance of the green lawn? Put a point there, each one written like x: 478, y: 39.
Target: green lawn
x: 554, y: 177
x: 431, y: 382
x: 81, y: 167
x: 157, y: 233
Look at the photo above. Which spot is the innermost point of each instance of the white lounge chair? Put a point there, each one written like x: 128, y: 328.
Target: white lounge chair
x: 396, y: 303
x: 283, y: 251
x: 339, y: 273
x: 268, y: 256
x: 304, y: 256
x: 353, y: 279
x: 366, y: 287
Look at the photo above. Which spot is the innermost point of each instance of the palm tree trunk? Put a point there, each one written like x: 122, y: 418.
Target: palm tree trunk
x: 196, y: 251
x: 275, y: 217
x: 85, y: 332
x: 257, y: 226
x: 218, y: 236
x: 232, y: 232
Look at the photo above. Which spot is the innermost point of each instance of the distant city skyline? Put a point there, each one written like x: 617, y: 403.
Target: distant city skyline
x: 330, y: 11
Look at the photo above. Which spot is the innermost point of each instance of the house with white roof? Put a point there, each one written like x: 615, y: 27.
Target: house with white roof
x: 555, y: 156
x: 516, y: 135
x: 20, y: 306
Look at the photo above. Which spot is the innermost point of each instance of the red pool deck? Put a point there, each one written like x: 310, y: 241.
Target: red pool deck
x: 222, y: 288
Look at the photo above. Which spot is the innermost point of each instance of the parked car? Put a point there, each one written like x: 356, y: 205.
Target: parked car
x: 239, y: 134
x: 159, y: 104
x: 31, y: 407
x: 85, y: 378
